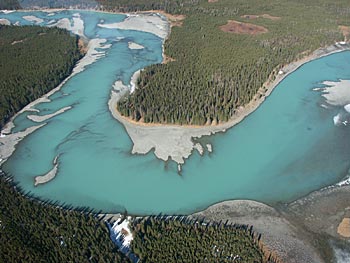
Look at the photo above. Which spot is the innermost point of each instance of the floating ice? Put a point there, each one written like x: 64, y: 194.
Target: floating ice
x: 347, y: 108
x: 336, y: 119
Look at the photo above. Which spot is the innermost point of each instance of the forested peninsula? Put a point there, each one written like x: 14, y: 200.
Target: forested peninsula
x: 225, y: 53
x: 42, y: 231
x: 34, y: 60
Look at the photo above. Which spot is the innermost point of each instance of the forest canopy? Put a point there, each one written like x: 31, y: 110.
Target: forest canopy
x: 33, y: 61
x: 213, y: 73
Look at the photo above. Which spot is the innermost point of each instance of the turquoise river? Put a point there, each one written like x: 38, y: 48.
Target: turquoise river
x: 284, y: 150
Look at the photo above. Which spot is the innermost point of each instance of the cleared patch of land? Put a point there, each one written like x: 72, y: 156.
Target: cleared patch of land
x: 267, y: 16
x: 344, y: 228
x: 167, y: 59
x: 346, y: 31
x: 236, y: 27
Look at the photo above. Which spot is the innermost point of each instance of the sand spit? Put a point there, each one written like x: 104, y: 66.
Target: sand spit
x: 43, y: 179
x: 169, y: 142
x: 151, y: 23
x: 8, y: 142
x: 337, y: 93
x: 176, y: 142
x: 133, y: 45
x: 35, y: 19
x: 38, y: 118
x: 5, y: 22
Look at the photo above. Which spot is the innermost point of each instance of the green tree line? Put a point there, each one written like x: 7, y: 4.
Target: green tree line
x: 33, y: 61
x: 41, y: 232
x: 216, y: 72
x: 9, y: 4
x: 181, y: 239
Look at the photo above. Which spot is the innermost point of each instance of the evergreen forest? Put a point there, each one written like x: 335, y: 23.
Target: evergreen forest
x: 37, y: 231
x: 33, y: 61
x: 34, y: 232
x: 9, y: 4
x: 214, y: 73
x: 183, y: 239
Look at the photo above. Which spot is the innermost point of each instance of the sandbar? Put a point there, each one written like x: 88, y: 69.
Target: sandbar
x: 151, y: 23
x: 35, y: 19
x: 7, y: 143
x: 77, y: 28
x: 43, y: 179
x: 337, y: 93
x: 133, y: 45
x: 38, y: 118
x: 5, y: 22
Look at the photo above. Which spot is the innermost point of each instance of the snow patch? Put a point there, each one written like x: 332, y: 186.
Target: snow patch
x: 121, y: 234
x: 347, y: 108
x: 337, y: 93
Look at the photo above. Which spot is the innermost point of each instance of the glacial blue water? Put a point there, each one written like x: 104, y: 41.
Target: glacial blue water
x: 284, y: 150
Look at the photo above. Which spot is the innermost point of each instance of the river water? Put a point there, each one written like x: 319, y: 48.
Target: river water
x: 284, y: 150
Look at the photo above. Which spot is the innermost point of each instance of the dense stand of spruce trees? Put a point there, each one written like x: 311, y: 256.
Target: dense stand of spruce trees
x: 33, y: 61
x: 182, y: 239
x: 9, y: 4
x: 215, y: 72
x: 35, y: 232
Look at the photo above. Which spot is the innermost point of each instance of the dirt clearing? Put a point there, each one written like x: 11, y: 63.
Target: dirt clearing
x: 243, y: 28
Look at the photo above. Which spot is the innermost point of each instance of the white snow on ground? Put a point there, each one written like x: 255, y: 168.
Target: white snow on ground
x: 336, y: 119
x: 345, y: 182
x: 121, y: 234
x: 347, y: 108
x: 8, y: 11
x: 133, y: 81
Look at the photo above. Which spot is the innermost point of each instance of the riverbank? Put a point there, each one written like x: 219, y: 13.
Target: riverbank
x: 305, y: 230
x: 9, y: 140
x: 176, y: 141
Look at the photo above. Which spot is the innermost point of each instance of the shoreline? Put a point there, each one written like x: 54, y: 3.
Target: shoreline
x: 244, y: 111
x: 293, y: 219
x: 172, y: 141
